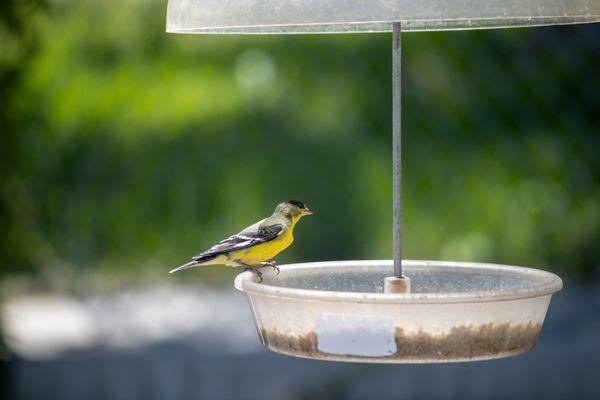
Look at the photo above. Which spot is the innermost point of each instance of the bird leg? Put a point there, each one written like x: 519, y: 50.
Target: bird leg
x: 271, y: 264
x: 254, y: 268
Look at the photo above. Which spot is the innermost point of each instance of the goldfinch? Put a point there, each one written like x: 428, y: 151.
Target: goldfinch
x: 258, y: 243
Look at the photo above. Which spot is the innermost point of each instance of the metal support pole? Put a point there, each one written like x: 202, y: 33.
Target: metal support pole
x: 397, y: 145
x: 397, y: 283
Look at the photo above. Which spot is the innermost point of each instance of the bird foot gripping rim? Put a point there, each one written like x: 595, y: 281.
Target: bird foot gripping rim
x: 259, y: 274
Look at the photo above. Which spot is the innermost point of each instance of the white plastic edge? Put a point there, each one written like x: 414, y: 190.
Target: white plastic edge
x: 552, y: 284
x: 354, y: 16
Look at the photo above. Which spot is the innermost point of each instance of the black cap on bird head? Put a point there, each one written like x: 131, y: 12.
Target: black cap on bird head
x: 293, y: 208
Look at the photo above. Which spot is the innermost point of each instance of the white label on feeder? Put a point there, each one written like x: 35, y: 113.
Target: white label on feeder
x: 356, y: 335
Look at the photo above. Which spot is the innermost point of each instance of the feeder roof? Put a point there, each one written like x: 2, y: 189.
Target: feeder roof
x: 353, y: 16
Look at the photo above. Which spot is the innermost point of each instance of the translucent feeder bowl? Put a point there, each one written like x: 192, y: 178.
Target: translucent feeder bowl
x: 456, y: 311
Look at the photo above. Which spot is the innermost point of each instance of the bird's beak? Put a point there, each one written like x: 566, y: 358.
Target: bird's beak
x: 307, y: 212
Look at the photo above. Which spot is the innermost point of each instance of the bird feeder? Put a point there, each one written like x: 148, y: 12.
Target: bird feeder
x: 393, y: 311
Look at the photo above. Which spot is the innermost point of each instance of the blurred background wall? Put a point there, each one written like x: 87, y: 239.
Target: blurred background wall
x: 125, y: 150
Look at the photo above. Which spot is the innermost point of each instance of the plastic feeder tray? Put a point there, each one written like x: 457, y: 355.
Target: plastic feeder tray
x: 456, y: 311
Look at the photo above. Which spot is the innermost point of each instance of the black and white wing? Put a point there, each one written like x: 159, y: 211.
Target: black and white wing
x: 255, y: 234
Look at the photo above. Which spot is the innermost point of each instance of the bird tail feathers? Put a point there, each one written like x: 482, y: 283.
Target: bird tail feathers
x: 198, y: 260
x: 185, y: 266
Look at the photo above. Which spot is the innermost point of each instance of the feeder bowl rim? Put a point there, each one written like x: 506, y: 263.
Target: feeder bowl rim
x: 551, y: 283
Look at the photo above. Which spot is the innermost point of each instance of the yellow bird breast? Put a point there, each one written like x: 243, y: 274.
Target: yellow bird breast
x: 264, y: 251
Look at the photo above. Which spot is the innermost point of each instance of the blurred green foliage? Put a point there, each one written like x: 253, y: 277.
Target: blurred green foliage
x: 126, y: 150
